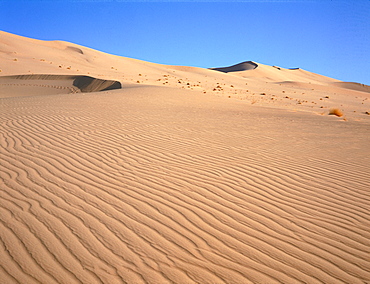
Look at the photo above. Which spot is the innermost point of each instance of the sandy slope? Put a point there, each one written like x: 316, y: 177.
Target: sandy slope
x: 162, y: 181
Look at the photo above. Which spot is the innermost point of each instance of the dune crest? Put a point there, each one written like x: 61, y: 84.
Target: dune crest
x: 27, y: 85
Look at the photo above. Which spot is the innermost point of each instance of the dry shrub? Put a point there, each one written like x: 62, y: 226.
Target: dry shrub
x: 336, y: 111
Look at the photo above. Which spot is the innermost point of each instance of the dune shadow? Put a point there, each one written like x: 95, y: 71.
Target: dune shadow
x: 89, y: 84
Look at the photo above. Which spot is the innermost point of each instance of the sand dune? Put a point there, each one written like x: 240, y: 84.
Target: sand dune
x: 183, y: 175
x: 41, y: 84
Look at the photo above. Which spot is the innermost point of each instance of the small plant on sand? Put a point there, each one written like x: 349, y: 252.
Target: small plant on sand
x: 253, y: 101
x: 336, y: 111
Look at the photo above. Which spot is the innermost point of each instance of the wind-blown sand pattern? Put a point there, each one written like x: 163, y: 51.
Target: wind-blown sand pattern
x: 155, y: 183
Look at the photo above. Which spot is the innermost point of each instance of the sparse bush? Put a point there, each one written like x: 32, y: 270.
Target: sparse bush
x: 336, y: 111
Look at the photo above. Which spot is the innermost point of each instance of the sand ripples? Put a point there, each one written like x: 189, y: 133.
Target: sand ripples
x: 118, y: 193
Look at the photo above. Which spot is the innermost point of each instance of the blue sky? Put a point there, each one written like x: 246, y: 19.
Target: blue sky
x: 331, y: 38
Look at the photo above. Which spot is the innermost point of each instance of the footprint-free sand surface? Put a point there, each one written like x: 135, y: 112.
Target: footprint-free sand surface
x: 149, y: 173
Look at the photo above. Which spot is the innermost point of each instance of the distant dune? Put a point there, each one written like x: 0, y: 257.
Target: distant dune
x: 116, y: 170
x: 353, y: 86
x: 247, y: 65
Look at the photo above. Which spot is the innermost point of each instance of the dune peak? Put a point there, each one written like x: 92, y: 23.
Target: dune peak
x: 243, y: 66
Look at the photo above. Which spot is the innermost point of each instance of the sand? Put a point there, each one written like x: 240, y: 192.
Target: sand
x: 182, y: 175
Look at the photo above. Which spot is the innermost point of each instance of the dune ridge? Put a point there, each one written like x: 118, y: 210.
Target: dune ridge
x: 41, y: 83
x: 182, y: 175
